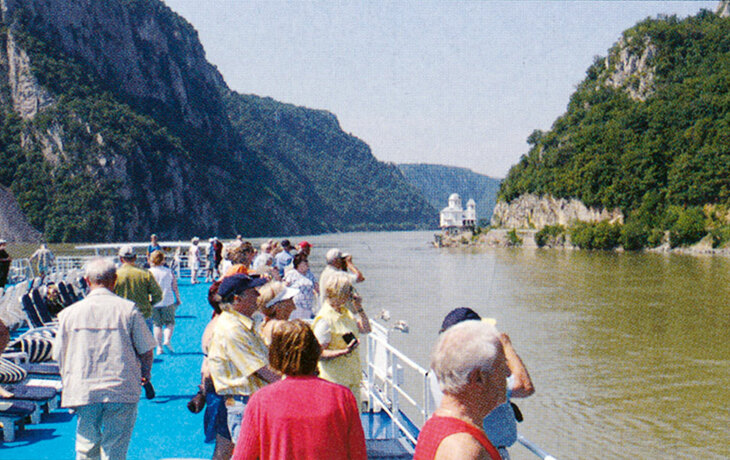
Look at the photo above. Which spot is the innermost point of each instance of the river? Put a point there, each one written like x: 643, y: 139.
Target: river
x: 629, y: 352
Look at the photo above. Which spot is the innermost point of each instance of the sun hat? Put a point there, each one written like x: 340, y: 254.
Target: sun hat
x: 285, y: 294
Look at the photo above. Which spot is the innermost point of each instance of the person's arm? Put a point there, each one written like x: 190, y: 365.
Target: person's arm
x: 330, y: 354
x: 363, y: 322
x: 323, y: 333
x: 522, y: 386
x: 176, y: 291
x: 461, y: 446
x: 356, y: 435
x: 4, y: 336
x: 145, y: 360
x: 359, y: 278
x: 268, y: 374
x: 154, y: 290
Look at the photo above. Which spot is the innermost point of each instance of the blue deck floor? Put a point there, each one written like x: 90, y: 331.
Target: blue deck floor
x: 164, y: 427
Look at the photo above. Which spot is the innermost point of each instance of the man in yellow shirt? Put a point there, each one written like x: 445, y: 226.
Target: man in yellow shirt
x: 237, y: 356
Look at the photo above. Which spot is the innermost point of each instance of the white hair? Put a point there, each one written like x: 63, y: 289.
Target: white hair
x: 460, y: 350
x: 100, y: 270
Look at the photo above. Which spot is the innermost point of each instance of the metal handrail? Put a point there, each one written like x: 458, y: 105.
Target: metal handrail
x: 388, y: 398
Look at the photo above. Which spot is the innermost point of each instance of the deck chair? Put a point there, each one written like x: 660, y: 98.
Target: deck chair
x: 35, y: 347
x: 14, y: 413
x: 34, y: 319
x: 40, y: 306
x: 66, y: 293
x: 44, y: 398
x: 41, y: 396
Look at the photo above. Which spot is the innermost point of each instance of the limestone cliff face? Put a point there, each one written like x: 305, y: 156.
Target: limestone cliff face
x: 723, y: 9
x: 532, y: 211
x: 144, y: 56
x: 28, y: 97
x: 114, y: 125
x: 631, y: 70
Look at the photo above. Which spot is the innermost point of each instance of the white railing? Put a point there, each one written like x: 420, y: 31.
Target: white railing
x: 385, y: 378
x: 20, y: 269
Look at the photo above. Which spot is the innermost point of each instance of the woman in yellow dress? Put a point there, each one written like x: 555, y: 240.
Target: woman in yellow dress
x: 337, y: 327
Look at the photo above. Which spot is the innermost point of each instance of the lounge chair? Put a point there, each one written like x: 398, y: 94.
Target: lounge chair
x: 12, y: 413
x: 41, y: 307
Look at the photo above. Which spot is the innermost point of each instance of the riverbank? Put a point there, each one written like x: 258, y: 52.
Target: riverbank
x: 525, y: 238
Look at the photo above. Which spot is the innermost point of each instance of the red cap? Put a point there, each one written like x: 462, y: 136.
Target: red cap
x: 304, y: 244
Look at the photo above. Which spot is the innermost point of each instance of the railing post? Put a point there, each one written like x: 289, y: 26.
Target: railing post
x: 370, y: 370
x: 394, y: 399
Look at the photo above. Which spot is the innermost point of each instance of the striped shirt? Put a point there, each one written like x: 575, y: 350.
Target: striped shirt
x: 236, y: 352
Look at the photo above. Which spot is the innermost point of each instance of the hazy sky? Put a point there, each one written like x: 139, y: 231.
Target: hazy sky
x: 455, y: 83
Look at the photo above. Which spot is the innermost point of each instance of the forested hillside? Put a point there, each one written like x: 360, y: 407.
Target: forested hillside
x: 113, y: 125
x: 437, y: 182
x: 647, y: 131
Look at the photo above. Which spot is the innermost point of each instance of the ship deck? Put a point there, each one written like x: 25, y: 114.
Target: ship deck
x: 165, y: 429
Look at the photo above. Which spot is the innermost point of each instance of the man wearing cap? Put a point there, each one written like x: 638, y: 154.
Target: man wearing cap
x: 136, y: 284
x: 500, y: 425
x: 284, y: 258
x: 5, y: 260
x: 338, y: 261
x: 237, y: 356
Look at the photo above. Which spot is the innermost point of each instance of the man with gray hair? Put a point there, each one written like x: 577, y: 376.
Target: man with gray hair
x: 104, y: 352
x: 471, y: 369
x: 338, y: 262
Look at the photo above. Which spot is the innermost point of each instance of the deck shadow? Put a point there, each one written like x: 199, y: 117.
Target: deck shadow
x: 164, y: 399
x: 30, y: 436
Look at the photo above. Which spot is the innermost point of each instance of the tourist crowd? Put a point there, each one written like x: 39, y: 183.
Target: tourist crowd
x: 277, y: 338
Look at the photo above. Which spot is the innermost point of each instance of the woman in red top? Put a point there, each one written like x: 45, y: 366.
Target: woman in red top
x: 471, y: 369
x: 300, y: 416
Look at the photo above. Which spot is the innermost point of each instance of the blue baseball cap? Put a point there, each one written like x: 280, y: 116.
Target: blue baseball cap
x: 236, y: 284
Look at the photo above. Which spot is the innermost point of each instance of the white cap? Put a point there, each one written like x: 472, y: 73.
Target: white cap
x: 126, y: 252
x: 334, y: 254
x: 287, y: 293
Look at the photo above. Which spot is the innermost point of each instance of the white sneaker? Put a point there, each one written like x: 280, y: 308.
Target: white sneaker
x: 159, y: 350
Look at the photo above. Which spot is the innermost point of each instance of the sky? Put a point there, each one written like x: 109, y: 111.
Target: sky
x: 460, y: 83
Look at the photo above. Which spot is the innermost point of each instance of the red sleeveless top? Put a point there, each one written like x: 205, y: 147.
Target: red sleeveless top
x: 437, y: 428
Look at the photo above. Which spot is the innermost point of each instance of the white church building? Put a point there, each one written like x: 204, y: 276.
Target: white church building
x: 455, y: 218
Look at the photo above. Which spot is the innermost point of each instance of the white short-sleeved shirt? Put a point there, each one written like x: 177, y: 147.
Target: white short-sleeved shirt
x: 97, y: 347
x: 164, y: 278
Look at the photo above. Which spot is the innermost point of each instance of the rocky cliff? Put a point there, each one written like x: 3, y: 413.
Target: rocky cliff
x: 645, y: 133
x: 113, y: 125
x: 14, y: 227
x: 532, y: 211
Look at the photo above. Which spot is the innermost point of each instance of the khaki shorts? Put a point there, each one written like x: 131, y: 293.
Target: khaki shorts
x: 164, y: 316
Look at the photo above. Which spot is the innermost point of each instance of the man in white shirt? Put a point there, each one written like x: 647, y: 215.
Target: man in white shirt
x: 104, y: 351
